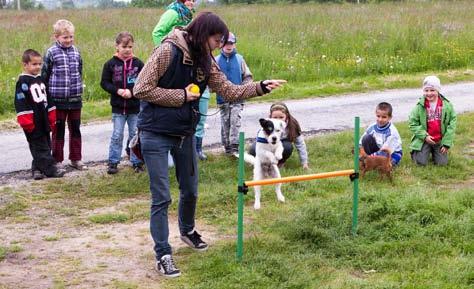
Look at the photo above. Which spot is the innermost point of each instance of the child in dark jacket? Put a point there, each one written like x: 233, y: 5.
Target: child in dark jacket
x: 118, y: 78
x: 36, y: 114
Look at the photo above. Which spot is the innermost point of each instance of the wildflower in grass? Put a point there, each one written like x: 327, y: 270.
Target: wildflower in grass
x: 358, y: 59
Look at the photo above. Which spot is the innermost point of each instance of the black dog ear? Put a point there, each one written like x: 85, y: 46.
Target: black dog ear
x: 267, y: 125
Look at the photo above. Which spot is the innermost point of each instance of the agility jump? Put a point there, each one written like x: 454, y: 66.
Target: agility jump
x: 244, y: 185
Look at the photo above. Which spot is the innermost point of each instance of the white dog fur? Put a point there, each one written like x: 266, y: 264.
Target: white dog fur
x: 268, y: 151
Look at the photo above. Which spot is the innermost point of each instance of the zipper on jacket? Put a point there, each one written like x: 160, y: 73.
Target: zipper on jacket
x: 124, y: 85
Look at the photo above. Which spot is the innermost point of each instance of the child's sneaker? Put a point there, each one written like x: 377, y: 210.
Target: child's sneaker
x: 37, y: 175
x: 59, y: 173
x: 194, y: 241
x: 167, y: 267
x: 112, y: 169
x: 138, y: 168
x: 78, y: 165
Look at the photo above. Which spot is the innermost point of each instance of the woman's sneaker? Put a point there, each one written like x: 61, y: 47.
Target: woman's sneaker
x: 167, y: 267
x: 194, y: 241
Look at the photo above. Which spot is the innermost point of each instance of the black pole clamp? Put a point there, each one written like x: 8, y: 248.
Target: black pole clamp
x: 353, y: 176
x: 243, y: 189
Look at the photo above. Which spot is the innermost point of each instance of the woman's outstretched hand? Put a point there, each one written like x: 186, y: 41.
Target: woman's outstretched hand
x: 271, y: 84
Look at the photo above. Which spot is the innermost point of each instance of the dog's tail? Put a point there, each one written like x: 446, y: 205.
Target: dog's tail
x: 388, y: 152
x: 248, y: 158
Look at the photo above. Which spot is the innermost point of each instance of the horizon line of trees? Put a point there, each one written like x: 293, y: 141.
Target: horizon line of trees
x: 69, y: 4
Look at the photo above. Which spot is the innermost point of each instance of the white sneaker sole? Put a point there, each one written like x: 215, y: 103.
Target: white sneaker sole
x: 167, y: 275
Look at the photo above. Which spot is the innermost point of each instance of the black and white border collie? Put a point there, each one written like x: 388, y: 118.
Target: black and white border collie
x: 268, y: 151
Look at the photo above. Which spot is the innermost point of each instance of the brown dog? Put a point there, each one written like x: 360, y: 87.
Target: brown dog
x: 380, y: 163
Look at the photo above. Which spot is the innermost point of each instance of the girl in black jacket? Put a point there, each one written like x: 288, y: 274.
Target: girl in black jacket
x: 118, y: 78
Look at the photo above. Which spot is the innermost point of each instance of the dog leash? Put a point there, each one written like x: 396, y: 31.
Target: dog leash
x: 203, y: 114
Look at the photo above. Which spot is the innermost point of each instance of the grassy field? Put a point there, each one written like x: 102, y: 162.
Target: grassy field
x: 414, y: 233
x: 321, y: 49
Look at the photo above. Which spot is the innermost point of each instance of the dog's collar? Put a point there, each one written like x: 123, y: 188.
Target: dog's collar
x: 261, y: 140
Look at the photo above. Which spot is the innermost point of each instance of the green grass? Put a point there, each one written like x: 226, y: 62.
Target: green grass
x: 414, y: 233
x: 13, y: 206
x: 109, y: 218
x: 321, y: 49
x: 3, y: 252
x: 15, y: 248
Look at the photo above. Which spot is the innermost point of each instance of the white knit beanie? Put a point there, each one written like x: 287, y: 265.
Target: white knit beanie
x: 432, y: 82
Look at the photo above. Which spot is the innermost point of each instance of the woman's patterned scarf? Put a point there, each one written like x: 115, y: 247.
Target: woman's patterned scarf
x: 184, y: 13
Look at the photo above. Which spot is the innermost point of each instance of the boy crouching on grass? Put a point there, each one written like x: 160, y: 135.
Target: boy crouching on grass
x: 36, y: 114
x: 383, y: 135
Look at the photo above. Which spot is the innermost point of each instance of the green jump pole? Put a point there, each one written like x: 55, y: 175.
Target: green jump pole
x: 355, y: 201
x: 240, y: 200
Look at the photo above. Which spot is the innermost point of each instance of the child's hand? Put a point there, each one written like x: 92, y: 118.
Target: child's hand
x: 121, y: 92
x: 128, y: 94
x: 429, y: 139
x: 444, y: 150
x: 305, y: 166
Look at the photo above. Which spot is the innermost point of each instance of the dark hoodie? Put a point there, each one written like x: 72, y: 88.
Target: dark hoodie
x: 121, y: 74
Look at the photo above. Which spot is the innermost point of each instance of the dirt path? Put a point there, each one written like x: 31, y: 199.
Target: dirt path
x: 51, y: 250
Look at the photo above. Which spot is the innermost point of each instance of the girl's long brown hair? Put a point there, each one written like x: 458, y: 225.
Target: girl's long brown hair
x: 292, y: 125
x: 205, y: 25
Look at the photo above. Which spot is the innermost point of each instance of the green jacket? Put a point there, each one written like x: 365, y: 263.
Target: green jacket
x: 167, y: 22
x: 417, y: 124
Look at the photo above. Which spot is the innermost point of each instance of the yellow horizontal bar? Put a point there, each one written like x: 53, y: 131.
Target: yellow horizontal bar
x: 299, y: 178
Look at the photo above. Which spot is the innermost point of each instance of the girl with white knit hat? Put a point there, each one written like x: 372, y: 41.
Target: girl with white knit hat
x: 433, y: 124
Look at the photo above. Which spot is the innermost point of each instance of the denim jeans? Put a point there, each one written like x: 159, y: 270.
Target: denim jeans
x: 116, y: 141
x: 155, y: 148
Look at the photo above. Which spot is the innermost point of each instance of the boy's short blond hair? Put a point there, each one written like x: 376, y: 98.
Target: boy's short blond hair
x: 63, y: 25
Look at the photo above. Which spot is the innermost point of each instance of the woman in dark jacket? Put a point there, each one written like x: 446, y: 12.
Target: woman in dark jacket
x: 168, y: 118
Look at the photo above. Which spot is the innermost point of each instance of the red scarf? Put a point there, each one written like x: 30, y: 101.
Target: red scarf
x: 433, y: 119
